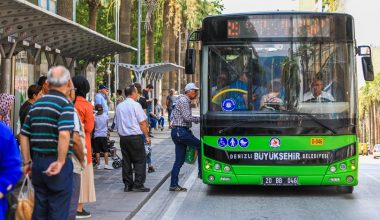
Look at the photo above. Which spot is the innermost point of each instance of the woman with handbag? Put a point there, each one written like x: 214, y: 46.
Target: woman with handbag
x: 10, y: 157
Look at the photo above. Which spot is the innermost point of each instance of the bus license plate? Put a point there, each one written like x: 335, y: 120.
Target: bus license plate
x: 280, y: 181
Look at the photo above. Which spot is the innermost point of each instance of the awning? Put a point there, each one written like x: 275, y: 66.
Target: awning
x: 25, y: 25
x: 152, y: 71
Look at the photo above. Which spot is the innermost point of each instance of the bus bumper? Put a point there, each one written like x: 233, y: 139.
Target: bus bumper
x: 343, y: 172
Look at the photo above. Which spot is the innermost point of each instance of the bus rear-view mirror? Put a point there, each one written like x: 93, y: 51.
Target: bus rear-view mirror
x: 190, y: 61
x: 367, y: 68
x: 364, y: 51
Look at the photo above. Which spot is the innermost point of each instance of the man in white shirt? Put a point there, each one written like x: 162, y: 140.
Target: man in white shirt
x: 316, y: 94
x: 131, y: 123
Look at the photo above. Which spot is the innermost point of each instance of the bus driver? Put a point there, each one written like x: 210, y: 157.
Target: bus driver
x: 316, y: 93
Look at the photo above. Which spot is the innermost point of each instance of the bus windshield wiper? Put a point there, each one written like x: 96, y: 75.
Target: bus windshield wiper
x: 314, y: 119
x: 221, y: 131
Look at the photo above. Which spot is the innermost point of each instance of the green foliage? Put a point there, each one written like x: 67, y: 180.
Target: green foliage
x: 106, y: 25
x: 368, y: 95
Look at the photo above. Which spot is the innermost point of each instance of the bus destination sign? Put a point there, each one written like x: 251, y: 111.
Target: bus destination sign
x: 266, y: 26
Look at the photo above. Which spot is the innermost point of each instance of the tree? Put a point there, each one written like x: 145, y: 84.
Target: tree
x: 165, y: 47
x: 65, y: 8
x: 149, y: 30
x: 125, y: 37
x: 93, y: 6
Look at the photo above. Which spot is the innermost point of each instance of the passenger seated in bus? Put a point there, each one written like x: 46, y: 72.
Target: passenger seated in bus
x: 272, y: 100
x: 221, y: 82
x: 316, y: 93
x: 239, y: 97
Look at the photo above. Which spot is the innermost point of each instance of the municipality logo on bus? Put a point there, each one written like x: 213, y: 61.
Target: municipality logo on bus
x: 275, y: 142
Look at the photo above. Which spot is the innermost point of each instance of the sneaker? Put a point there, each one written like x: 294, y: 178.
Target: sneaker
x: 83, y: 214
x: 151, y: 170
x: 99, y: 167
x: 177, y: 189
x: 108, y: 167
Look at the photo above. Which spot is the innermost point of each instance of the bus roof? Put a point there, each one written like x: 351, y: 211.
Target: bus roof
x: 279, y: 12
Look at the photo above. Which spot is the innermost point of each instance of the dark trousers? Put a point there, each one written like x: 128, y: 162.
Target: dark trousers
x: 133, y: 151
x: 183, y: 137
x: 74, y: 197
x: 52, y: 194
x: 169, y: 115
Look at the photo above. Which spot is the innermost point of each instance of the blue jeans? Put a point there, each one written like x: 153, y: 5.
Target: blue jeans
x: 153, y: 122
x: 149, y: 155
x: 52, y: 194
x: 183, y: 137
x: 161, y: 121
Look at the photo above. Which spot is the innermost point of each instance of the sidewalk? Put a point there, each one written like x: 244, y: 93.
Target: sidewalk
x: 112, y: 202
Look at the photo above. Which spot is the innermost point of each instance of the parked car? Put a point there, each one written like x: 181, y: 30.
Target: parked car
x: 376, y: 151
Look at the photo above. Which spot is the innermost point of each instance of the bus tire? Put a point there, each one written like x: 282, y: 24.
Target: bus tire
x: 344, y: 189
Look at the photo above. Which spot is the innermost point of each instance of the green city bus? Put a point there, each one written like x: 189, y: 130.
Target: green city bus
x: 279, y: 98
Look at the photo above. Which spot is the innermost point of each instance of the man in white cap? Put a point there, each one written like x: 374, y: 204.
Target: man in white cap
x: 182, y: 135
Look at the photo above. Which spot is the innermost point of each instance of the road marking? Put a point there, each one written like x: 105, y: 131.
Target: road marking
x: 180, y: 197
x: 372, y: 177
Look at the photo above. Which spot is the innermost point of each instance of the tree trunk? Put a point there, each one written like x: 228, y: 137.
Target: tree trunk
x: 165, y: 50
x: 65, y: 8
x: 125, y: 37
x: 149, y: 42
x: 372, y: 140
x: 172, y: 57
x: 93, y: 6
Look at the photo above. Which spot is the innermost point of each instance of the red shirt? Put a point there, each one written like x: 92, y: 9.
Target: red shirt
x: 86, y: 115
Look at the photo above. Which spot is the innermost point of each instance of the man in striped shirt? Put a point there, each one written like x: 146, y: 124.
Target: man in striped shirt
x: 47, y: 132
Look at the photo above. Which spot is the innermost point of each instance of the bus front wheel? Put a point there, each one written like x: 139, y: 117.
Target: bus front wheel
x: 344, y: 189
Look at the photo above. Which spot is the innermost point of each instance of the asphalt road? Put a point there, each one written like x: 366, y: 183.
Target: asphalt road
x: 256, y: 202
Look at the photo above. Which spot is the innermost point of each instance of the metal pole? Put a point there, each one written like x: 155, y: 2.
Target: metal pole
x: 139, y: 35
x: 6, y: 67
x: 75, y: 10
x: 117, y: 38
x: 179, y: 62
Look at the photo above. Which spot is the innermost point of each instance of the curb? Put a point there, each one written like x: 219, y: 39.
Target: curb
x: 151, y: 193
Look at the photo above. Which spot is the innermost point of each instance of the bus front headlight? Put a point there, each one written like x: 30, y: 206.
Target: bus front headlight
x: 227, y: 169
x: 217, y: 166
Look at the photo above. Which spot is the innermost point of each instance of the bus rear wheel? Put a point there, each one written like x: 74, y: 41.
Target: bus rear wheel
x: 344, y: 189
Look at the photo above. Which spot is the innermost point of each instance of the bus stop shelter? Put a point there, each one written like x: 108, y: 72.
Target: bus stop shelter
x: 27, y: 27
x: 151, y: 73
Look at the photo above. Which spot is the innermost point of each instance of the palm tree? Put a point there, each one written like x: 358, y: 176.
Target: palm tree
x: 165, y: 48
x: 65, y: 8
x: 149, y: 28
x: 125, y: 37
x: 93, y: 6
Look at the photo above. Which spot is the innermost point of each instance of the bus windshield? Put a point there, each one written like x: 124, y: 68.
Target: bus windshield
x: 313, y: 78
x: 266, y: 79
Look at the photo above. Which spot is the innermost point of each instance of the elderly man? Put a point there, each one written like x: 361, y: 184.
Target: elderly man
x: 182, y: 135
x: 131, y: 123
x: 316, y: 93
x: 102, y: 98
x: 47, y: 131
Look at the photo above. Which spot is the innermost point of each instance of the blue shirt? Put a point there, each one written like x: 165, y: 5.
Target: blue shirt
x: 100, y: 99
x: 238, y: 96
x: 10, y: 164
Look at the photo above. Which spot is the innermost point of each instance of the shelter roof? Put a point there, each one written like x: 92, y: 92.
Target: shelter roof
x: 30, y: 26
